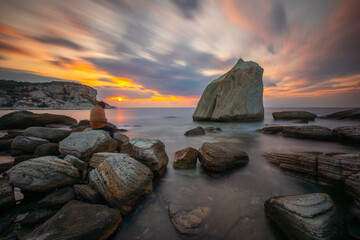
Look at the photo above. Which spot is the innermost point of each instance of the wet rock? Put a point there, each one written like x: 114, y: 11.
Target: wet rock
x: 221, y: 156
x: 235, y: 96
x: 352, y: 114
x: 303, y: 217
x: 150, y: 152
x: 57, y: 198
x: 7, y: 198
x: 47, y: 149
x: 43, y: 174
x: 84, y: 144
x: 213, y: 129
x: 185, y: 158
x: 77, y: 220
x: 99, y: 157
x: 51, y: 134
x: 121, y: 139
x: 122, y: 181
x: 302, y: 121
x: 25, y: 119
x: 312, y: 132
x: 271, y: 129
x: 5, y: 144
x: 37, y: 217
x: 27, y: 144
x: 198, y: 131
x: 188, y: 222
x: 348, y: 133
x: 88, y: 194
x: 294, y: 115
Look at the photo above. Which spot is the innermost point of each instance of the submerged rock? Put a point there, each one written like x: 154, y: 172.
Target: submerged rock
x: 51, y: 134
x: 195, y: 131
x: 27, y: 144
x: 7, y: 198
x: 57, y: 198
x: 77, y: 220
x: 235, y: 96
x: 294, y: 115
x: 221, y: 156
x: 122, y: 181
x: 185, y: 158
x: 303, y: 217
x: 353, y: 114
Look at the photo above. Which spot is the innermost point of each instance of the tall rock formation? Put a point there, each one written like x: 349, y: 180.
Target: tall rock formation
x: 235, y: 96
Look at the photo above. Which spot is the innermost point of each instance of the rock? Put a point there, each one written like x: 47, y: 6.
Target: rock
x: 213, y: 129
x: 150, y: 152
x: 302, y: 121
x: 84, y: 144
x: 37, y: 217
x: 57, y: 198
x: 88, y: 194
x: 74, y: 161
x: 348, y: 133
x: 99, y: 157
x: 7, y: 198
x: 122, y: 181
x: 78, y: 129
x: 188, y: 222
x: 6, y: 162
x: 5, y: 144
x: 271, y: 129
x: 51, y: 134
x: 43, y: 174
x: 294, y: 115
x: 235, y: 96
x: 84, y: 123
x: 77, y: 220
x: 27, y: 144
x: 185, y: 158
x: 47, y: 149
x: 25, y: 119
x: 5, y: 222
x: 352, y: 186
x: 22, y: 158
x: 195, y: 132
x: 303, y: 217
x: 221, y: 156
x: 352, y: 114
x: 312, y: 132
x: 355, y: 210
x: 16, y: 153
x: 121, y: 139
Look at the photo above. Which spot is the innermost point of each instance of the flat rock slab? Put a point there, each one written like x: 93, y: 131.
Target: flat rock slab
x: 43, y: 174
x: 348, y: 133
x: 84, y: 144
x: 57, y: 198
x: 122, y: 181
x: 303, y: 217
x: 51, y: 134
x: 150, y: 152
x: 221, y: 156
x: 185, y: 158
x: 77, y: 220
x: 293, y: 115
x: 7, y: 198
x: 311, y: 131
x: 27, y: 144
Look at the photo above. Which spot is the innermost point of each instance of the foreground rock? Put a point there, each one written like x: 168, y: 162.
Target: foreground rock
x: 99, y: 157
x: 352, y: 187
x: 303, y: 217
x: 235, y: 96
x: 27, y: 144
x: 88, y: 194
x: 198, y: 131
x: 7, y: 198
x: 122, y: 181
x: 352, y: 114
x: 51, y: 134
x: 43, y: 174
x: 84, y: 144
x: 77, y: 220
x: 57, y: 198
x: 348, y: 133
x: 294, y: 115
x: 47, y: 149
x: 221, y: 156
x: 185, y: 158
x: 25, y: 119
x: 150, y: 152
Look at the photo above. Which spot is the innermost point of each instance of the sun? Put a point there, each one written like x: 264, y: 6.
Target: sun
x: 119, y: 99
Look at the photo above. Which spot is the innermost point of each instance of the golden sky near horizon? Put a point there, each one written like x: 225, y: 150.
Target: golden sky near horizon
x: 163, y: 53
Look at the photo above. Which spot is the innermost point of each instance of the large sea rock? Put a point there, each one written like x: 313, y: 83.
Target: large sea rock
x: 84, y: 144
x: 304, y: 217
x: 122, y: 181
x: 25, y: 119
x: 352, y: 114
x: 44, y: 174
x: 235, y: 96
x: 50, y: 134
x: 78, y: 220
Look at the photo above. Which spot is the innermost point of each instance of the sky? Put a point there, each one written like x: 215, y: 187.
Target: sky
x: 163, y: 53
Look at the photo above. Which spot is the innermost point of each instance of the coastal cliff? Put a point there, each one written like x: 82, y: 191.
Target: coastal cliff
x: 47, y: 95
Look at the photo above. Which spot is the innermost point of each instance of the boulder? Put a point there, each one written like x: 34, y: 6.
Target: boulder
x: 84, y: 123
x: 150, y: 152
x: 352, y: 114
x: 27, y: 144
x: 25, y: 119
x: 185, y: 158
x: 84, y: 144
x: 198, y: 131
x: 47, y: 149
x: 122, y: 181
x: 348, y: 133
x: 22, y: 158
x: 51, y: 134
x: 5, y: 144
x: 43, y: 174
x: 37, y: 217
x: 303, y: 217
x: 77, y: 220
x: 352, y: 186
x: 5, y: 166
x: 235, y: 96
x: 99, y: 157
x: 221, y: 156
x: 294, y: 115
x: 57, y: 198
x: 88, y: 194
x: 311, y: 131
x: 121, y: 139
x: 7, y: 198
x: 74, y: 161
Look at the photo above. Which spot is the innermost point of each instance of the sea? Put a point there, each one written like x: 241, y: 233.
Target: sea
x: 236, y: 199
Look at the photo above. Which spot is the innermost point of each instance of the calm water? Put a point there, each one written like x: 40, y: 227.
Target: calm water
x: 236, y: 199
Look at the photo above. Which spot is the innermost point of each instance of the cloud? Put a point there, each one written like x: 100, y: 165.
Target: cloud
x: 188, y: 8
x: 5, y: 47
x: 58, y: 41
x: 107, y: 92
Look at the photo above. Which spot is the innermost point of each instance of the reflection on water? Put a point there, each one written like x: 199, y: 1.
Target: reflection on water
x: 236, y: 199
